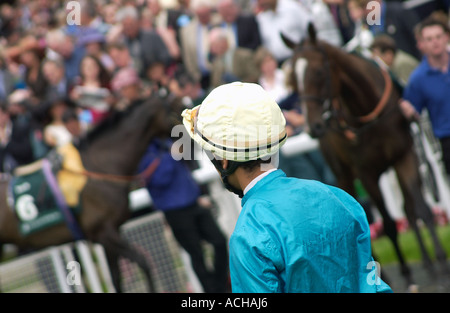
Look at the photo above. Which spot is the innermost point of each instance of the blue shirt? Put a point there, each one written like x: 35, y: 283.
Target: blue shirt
x: 430, y: 88
x: 296, y: 235
x: 72, y: 64
x: 171, y: 186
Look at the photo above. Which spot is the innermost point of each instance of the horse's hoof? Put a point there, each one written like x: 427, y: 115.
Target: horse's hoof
x: 413, y: 288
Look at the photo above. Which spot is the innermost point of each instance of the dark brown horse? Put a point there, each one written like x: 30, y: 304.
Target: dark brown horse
x: 110, y: 155
x: 352, y: 107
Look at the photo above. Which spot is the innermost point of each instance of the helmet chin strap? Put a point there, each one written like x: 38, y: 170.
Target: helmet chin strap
x: 224, y: 173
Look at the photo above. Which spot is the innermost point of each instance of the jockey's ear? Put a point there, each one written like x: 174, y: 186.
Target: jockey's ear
x: 312, y: 33
x: 289, y: 43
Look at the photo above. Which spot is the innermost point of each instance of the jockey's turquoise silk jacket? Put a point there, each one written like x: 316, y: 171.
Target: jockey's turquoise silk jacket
x: 296, y: 235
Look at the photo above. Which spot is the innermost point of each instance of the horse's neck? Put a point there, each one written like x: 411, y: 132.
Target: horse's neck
x: 358, y: 81
x: 117, y: 156
x: 119, y: 150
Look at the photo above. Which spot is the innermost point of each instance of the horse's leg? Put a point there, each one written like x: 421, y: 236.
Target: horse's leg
x: 370, y: 183
x: 416, y: 207
x: 116, y: 247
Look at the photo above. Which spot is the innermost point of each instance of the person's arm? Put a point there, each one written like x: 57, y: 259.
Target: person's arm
x: 163, y: 174
x: 251, y: 270
x: 413, y: 100
x: 256, y: 260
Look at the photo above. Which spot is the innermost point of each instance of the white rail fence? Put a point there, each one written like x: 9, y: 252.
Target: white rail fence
x: 82, y: 267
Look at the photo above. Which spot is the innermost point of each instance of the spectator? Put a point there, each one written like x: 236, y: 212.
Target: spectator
x: 325, y: 25
x: 55, y: 133
x: 179, y: 16
x: 340, y: 14
x: 398, y: 23
x: 271, y: 77
x: 174, y: 192
x: 33, y: 77
x: 121, y: 57
x: 6, y: 79
x: 400, y: 63
x: 158, y: 21
x: 242, y: 29
x: 94, y: 43
x: 428, y: 85
x: 72, y: 123
x: 90, y: 18
x: 227, y: 64
x: 5, y: 135
x: 146, y: 47
x: 157, y: 78
x: 195, y: 43
x: 186, y: 88
x: 108, y: 13
x: 362, y: 37
x: 54, y: 73
x: 288, y: 17
x: 92, y: 91
x: 127, y: 87
x: 26, y: 142
x: 64, y: 45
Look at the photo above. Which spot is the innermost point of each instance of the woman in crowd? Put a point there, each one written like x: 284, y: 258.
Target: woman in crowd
x: 92, y: 91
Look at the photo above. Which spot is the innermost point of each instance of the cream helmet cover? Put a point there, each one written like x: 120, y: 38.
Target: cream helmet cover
x: 238, y: 122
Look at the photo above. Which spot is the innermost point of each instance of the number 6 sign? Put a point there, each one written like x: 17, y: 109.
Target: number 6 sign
x: 25, y: 207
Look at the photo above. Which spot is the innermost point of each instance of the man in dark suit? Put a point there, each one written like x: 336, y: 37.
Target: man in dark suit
x: 146, y: 47
x: 228, y: 65
x: 242, y: 28
x: 398, y: 22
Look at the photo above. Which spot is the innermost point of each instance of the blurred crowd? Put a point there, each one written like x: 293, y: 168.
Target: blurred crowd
x: 62, y: 70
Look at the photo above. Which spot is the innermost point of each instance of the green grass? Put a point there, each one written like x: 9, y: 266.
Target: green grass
x: 384, y: 250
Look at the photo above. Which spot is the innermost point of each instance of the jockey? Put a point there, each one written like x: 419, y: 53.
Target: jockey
x: 292, y: 235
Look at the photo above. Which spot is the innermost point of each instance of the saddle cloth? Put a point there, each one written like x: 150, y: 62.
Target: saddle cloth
x: 34, y: 201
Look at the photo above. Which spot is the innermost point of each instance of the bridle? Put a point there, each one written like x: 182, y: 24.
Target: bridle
x: 121, y: 179
x: 331, y: 105
x: 326, y: 103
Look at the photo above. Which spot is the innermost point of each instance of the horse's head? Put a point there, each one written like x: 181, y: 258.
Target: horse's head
x: 313, y: 79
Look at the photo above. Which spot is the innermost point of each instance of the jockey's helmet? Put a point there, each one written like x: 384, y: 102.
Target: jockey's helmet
x: 237, y: 122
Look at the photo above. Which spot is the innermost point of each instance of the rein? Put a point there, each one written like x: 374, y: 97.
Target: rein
x: 144, y: 175
x: 383, y: 101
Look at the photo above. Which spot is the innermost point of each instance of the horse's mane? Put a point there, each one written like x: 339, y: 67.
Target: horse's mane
x: 110, y: 122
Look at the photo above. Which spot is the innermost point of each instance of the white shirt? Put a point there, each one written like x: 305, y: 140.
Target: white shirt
x: 290, y: 18
x: 361, y: 41
x: 257, y: 179
x: 278, y: 89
